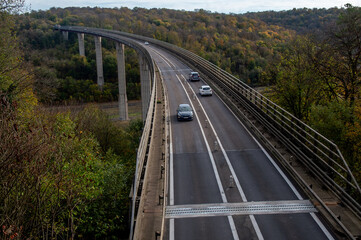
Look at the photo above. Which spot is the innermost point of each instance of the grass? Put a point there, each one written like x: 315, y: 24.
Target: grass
x: 110, y: 108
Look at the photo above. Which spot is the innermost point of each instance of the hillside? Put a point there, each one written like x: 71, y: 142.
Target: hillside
x: 302, y: 20
x: 241, y: 44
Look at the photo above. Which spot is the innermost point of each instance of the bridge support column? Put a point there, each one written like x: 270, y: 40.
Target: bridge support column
x: 81, y: 44
x: 123, y: 101
x: 65, y: 35
x: 99, y: 61
x: 145, y: 84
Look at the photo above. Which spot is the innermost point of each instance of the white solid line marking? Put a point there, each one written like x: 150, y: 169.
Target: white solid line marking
x: 215, y: 170
x: 282, y: 174
x: 171, y: 172
x: 171, y: 176
x: 230, y: 219
x: 256, y: 227
x: 298, y: 195
x: 323, y: 228
x: 233, y: 227
x: 165, y: 59
x: 171, y: 229
x: 220, y: 187
x: 235, y: 178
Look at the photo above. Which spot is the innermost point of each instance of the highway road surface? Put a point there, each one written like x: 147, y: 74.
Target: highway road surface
x: 222, y: 183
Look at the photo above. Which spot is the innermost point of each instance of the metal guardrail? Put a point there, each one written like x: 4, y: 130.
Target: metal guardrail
x: 142, y: 155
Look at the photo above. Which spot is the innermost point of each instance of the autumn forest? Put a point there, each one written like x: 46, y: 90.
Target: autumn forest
x: 68, y: 175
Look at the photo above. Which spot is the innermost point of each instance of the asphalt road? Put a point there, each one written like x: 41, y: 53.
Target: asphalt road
x: 215, y: 160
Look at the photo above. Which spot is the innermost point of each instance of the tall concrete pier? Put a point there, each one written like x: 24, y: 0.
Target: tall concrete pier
x: 65, y: 35
x: 81, y: 44
x: 123, y: 101
x: 99, y: 61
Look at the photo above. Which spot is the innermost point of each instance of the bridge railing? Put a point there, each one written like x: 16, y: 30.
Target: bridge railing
x: 321, y: 156
x: 142, y: 154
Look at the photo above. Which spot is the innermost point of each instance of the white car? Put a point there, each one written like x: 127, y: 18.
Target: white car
x: 205, y: 90
x: 146, y: 43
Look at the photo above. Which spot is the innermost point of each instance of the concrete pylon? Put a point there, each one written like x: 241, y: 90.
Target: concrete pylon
x: 123, y: 101
x: 145, y: 85
x: 81, y: 44
x: 65, y: 35
x: 99, y: 61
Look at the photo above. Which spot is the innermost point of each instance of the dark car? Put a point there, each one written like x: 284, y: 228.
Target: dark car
x: 194, y: 76
x: 184, y: 112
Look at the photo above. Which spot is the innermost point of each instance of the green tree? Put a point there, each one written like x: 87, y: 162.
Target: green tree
x: 11, y: 76
x: 331, y: 120
x: 296, y: 87
x: 338, y: 59
x: 342, y: 124
x: 353, y: 138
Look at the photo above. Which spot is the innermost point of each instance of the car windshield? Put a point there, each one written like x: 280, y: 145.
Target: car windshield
x: 185, y: 108
x: 206, y: 88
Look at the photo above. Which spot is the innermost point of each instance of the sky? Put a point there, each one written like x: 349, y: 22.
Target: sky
x: 220, y: 6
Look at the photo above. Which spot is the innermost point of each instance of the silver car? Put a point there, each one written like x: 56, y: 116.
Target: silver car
x: 194, y: 76
x: 205, y: 90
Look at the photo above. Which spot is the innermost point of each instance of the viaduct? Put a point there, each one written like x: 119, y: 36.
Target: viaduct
x: 296, y: 147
